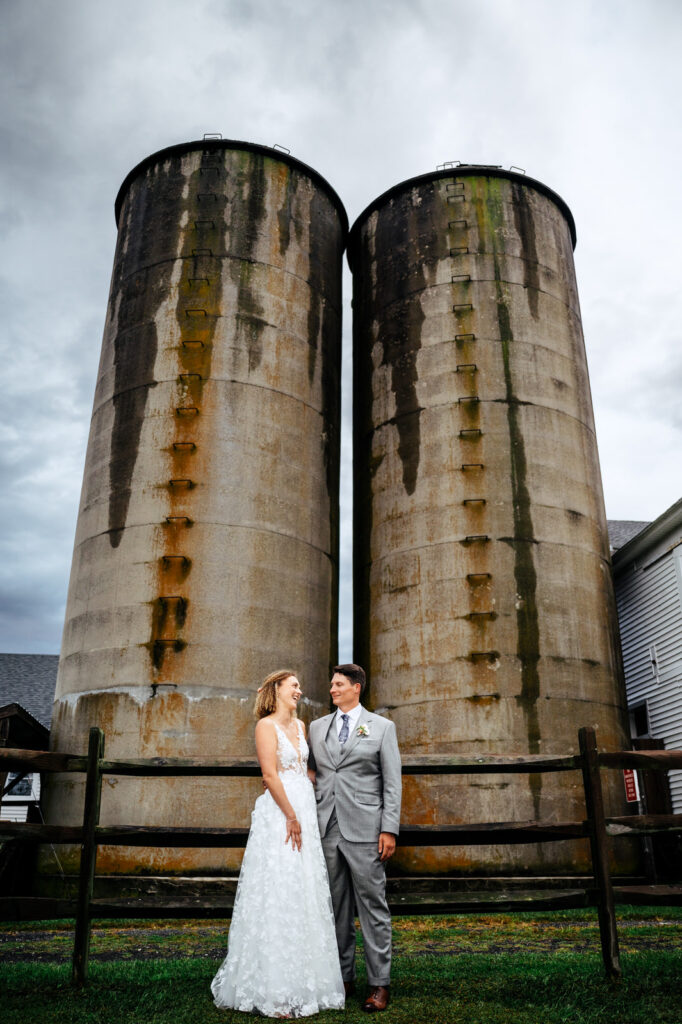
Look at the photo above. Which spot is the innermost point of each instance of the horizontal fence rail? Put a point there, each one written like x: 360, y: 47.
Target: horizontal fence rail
x: 233, y: 838
x: 596, y: 827
x: 12, y: 759
x: 51, y: 761
x: 483, y: 834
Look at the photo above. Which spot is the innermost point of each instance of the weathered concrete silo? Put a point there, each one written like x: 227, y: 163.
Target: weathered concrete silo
x: 207, y: 545
x: 484, y: 607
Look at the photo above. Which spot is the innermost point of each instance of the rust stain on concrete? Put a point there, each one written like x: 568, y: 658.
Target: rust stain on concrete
x: 198, y: 312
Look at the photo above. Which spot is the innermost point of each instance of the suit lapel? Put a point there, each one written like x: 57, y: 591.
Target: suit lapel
x: 329, y: 738
x: 354, y: 736
x: 327, y: 725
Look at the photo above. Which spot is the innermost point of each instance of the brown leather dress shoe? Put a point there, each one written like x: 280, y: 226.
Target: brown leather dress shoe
x: 378, y: 999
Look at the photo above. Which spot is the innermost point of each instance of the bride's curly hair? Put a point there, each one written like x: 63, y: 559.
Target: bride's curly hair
x: 266, y: 701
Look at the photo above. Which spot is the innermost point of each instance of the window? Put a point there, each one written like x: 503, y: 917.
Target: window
x: 639, y: 720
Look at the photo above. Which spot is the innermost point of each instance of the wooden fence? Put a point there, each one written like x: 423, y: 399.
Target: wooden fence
x: 596, y: 827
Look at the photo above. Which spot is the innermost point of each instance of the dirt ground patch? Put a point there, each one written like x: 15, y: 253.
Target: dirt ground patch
x: 112, y: 941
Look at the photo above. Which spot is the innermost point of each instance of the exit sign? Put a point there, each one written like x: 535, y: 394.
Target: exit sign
x: 631, y: 785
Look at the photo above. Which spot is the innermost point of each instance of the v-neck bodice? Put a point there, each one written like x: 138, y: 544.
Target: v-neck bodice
x: 290, y: 759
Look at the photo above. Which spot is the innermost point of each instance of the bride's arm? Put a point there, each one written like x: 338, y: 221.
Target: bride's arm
x: 266, y: 750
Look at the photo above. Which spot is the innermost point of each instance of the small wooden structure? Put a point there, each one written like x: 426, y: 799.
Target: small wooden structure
x: 597, y: 828
x: 19, y: 729
x: 19, y: 796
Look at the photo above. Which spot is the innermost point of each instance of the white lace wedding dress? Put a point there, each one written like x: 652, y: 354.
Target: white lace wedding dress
x: 282, y: 958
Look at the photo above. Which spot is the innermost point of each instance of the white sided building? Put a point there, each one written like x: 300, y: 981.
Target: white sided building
x: 647, y: 572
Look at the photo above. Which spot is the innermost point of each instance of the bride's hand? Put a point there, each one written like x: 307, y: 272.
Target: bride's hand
x: 293, y: 833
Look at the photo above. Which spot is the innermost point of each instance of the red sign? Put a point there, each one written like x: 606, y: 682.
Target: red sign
x: 631, y: 785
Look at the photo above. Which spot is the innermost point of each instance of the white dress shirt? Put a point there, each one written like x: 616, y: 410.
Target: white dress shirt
x: 353, y: 716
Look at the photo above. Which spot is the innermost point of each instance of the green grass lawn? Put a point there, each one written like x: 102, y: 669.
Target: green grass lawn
x: 502, y: 969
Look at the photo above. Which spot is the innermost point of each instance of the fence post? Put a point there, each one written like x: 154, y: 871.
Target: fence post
x: 594, y: 802
x: 93, y: 794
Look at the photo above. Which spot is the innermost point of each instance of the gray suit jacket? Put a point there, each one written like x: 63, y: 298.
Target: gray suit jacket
x: 363, y: 784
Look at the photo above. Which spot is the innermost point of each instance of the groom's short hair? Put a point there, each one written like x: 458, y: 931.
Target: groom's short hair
x: 354, y: 673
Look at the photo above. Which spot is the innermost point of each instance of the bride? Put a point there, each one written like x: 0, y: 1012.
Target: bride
x: 282, y: 957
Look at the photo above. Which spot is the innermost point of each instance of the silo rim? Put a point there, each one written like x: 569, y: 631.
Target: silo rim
x: 464, y: 170
x: 218, y: 144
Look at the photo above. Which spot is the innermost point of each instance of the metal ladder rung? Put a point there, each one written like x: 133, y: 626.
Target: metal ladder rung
x: 484, y: 655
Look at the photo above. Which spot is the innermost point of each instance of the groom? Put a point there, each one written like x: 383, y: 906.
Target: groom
x: 358, y: 788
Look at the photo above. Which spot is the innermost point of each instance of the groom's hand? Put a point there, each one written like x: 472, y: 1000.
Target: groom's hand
x: 386, y: 845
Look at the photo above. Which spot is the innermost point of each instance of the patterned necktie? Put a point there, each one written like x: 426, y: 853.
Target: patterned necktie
x: 343, y: 735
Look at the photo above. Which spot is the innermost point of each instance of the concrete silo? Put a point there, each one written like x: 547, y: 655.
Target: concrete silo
x: 484, y: 607
x: 207, y: 544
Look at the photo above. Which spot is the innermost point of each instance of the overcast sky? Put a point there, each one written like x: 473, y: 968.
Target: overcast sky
x: 584, y: 95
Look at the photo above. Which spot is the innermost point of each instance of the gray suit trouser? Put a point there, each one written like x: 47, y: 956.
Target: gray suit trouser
x: 357, y: 879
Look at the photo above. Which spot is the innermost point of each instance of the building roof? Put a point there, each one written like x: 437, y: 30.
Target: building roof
x: 20, y: 729
x: 666, y: 530
x: 29, y: 680
x: 623, y: 530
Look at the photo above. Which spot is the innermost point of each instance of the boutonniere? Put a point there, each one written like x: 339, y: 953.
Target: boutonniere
x: 363, y: 730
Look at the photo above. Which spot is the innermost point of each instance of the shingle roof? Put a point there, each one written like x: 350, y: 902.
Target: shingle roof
x: 29, y: 680
x: 623, y: 530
